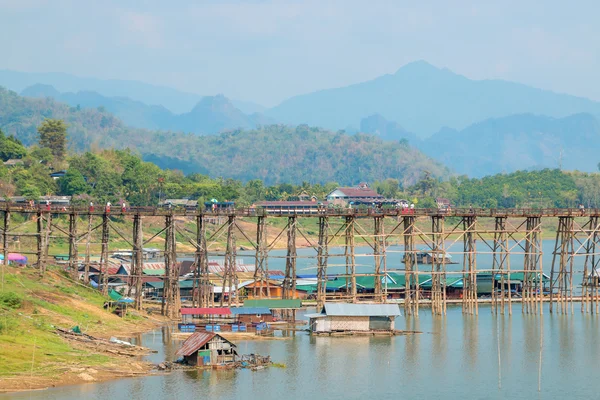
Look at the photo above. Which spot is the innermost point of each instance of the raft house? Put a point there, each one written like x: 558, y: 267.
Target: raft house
x: 225, y: 319
x: 348, y: 319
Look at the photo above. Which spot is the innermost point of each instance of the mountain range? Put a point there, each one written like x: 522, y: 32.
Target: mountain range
x: 212, y: 114
x: 176, y: 101
x: 424, y: 99
x: 273, y: 153
x: 475, y: 127
x: 507, y: 144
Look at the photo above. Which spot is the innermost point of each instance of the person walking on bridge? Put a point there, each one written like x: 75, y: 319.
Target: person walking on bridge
x: 108, y: 207
x: 91, y: 206
x: 123, y: 207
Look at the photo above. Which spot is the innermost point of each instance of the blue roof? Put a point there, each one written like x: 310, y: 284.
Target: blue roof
x: 250, y: 310
x: 361, y: 310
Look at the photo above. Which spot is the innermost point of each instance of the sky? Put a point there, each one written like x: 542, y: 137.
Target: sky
x: 267, y: 51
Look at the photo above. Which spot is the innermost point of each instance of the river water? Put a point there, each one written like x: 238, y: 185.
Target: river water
x: 484, y: 357
x: 471, y: 357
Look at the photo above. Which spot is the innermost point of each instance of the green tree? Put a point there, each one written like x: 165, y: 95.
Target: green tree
x: 73, y: 183
x: 11, y: 147
x: 53, y: 136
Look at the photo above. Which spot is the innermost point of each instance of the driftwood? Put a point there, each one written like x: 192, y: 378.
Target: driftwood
x: 104, y: 345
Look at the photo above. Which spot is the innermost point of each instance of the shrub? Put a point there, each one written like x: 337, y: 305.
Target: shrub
x: 10, y: 300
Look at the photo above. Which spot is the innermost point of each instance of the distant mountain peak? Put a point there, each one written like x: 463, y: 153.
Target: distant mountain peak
x: 40, y: 90
x: 215, y: 103
x: 418, y: 65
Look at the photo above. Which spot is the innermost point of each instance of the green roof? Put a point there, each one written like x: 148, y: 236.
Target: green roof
x: 307, y: 288
x: 188, y: 284
x: 451, y: 281
x: 154, y: 272
x: 114, y: 295
x: 274, y: 303
x: 520, y: 276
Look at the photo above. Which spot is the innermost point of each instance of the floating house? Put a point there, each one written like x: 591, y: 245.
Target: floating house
x: 430, y: 257
x: 354, y: 318
x: 207, y: 349
x: 252, y: 315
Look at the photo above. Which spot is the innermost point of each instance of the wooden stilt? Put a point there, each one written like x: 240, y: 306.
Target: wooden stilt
x: 73, y: 253
x: 230, y: 279
x: 349, y: 252
x: 411, y: 279
x: 289, y: 281
x: 378, y: 257
x: 171, y: 293
x: 104, y: 254
x: 88, y: 240
x: 5, y: 230
x: 470, y: 305
x: 261, y: 271
x: 322, y: 258
x: 438, y: 267
x: 137, y: 262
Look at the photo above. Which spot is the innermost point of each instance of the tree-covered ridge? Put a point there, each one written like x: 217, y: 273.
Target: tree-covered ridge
x: 532, y: 189
x: 273, y: 153
x: 20, y: 116
x: 122, y: 176
x: 281, y: 154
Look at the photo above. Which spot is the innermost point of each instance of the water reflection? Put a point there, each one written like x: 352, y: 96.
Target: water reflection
x: 470, y: 341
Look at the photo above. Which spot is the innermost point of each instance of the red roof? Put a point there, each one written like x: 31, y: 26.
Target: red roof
x: 206, y: 311
x: 194, y: 342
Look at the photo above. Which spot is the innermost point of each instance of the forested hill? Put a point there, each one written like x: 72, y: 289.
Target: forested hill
x: 272, y: 153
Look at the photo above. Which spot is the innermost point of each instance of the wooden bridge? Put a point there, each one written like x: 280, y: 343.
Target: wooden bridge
x: 503, y: 232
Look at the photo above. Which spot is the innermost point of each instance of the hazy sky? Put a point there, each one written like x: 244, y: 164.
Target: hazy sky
x: 266, y: 51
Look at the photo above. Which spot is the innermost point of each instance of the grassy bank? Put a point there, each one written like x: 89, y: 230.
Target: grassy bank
x: 33, y: 356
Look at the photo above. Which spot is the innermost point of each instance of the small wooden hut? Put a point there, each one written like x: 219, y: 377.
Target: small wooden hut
x: 207, y: 349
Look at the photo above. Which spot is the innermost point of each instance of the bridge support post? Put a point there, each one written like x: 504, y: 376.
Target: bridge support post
x: 379, y: 258
x: 104, y: 254
x: 438, y: 267
x: 5, y: 228
x: 411, y: 278
x: 561, y: 275
x: 289, y: 281
x: 350, y: 257
x: 137, y: 263
x: 533, y: 274
x: 88, y: 239
x: 470, y: 305
x: 501, y: 262
x: 171, y: 294
x: 73, y: 253
x: 203, y: 293
x: 591, y: 272
x: 230, y: 278
x: 44, y: 220
x: 261, y: 272
x: 322, y: 258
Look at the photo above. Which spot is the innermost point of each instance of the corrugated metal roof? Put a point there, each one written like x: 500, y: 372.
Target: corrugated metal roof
x: 362, y: 310
x: 274, y: 303
x: 206, y: 311
x: 194, y: 342
x: 250, y: 311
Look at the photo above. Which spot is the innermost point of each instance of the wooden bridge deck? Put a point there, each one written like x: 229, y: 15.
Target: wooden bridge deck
x: 256, y: 212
